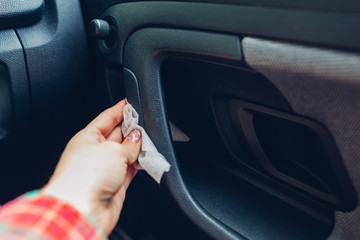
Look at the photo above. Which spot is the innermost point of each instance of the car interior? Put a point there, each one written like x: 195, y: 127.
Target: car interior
x: 254, y: 103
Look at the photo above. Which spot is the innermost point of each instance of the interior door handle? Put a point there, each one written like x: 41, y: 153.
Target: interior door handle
x: 144, y: 52
x: 146, y: 49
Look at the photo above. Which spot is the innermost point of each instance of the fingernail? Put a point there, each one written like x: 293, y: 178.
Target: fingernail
x: 134, y: 136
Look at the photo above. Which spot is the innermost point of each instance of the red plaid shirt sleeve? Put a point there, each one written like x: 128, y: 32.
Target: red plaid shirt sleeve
x: 35, y: 216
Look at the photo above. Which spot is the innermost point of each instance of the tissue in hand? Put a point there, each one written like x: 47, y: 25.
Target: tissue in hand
x: 149, y: 159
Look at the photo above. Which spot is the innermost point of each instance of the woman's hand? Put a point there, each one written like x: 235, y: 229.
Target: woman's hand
x: 96, y: 168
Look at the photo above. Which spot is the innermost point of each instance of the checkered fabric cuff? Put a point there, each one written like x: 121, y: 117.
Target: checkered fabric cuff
x: 35, y: 216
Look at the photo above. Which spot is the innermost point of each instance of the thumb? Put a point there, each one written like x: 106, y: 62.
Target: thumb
x: 132, y: 144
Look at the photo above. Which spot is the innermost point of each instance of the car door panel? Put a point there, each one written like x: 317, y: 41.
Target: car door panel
x: 170, y: 51
x: 266, y: 92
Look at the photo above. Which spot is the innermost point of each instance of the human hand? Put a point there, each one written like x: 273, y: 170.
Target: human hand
x: 96, y: 168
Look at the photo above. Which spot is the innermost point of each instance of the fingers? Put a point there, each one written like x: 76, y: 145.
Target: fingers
x: 132, y: 144
x: 115, y: 135
x: 109, y: 119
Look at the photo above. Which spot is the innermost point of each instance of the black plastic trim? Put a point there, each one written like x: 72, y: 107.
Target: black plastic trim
x: 56, y: 55
x: 144, y: 52
x: 94, y: 8
x: 325, y: 28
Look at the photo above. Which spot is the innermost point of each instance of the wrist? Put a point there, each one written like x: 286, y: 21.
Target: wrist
x: 77, y: 198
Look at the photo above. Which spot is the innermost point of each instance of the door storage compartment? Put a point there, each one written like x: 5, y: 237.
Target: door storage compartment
x: 296, y: 150
x: 218, y: 163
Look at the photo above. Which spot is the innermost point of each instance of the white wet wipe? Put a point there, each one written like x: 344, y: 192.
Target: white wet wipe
x: 149, y: 159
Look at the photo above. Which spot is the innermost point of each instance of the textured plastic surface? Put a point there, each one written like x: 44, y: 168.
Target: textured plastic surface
x: 144, y: 52
x: 285, y: 24
x: 16, y: 13
x: 95, y: 7
x: 13, y: 63
x: 56, y: 55
x: 56, y: 100
x: 242, y: 205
